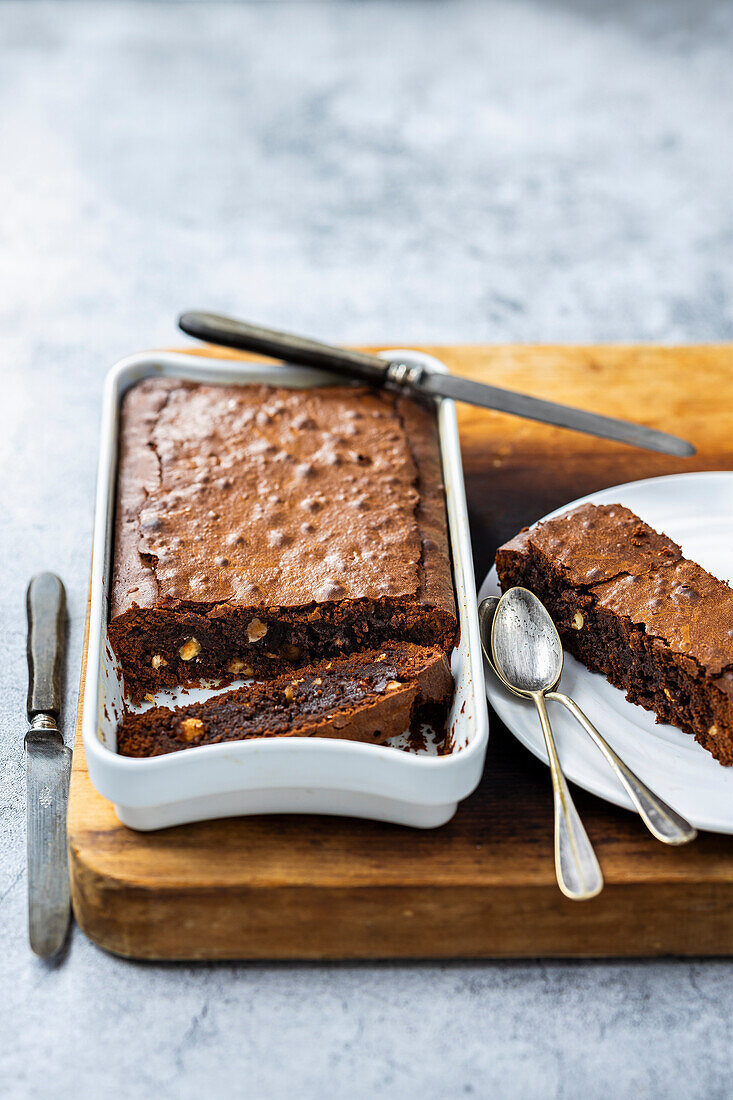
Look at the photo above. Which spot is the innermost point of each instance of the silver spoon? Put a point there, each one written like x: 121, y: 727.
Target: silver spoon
x: 662, y: 821
x: 528, y: 658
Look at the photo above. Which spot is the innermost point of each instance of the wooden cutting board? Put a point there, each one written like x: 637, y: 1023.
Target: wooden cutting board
x: 483, y: 885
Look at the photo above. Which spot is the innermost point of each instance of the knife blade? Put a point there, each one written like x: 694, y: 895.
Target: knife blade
x: 218, y: 329
x: 548, y: 412
x: 47, y: 769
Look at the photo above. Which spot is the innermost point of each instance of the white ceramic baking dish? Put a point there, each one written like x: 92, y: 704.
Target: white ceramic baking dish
x: 278, y: 775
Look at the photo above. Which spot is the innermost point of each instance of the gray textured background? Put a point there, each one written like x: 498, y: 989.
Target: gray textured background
x: 546, y: 170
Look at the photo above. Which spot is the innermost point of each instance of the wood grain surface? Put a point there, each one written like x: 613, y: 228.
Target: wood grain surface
x: 483, y: 885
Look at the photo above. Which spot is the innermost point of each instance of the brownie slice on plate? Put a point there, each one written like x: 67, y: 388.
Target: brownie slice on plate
x: 628, y: 604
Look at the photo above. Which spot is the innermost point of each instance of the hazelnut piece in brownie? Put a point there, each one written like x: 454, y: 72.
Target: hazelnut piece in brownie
x: 366, y: 697
x: 264, y: 527
x: 629, y: 605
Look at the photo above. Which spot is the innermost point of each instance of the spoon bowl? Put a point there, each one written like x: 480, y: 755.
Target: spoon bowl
x: 486, y: 611
x: 526, y: 646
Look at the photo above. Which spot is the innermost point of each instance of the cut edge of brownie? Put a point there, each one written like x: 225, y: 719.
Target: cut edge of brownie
x: 369, y: 696
x: 160, y: 648
x: 675, y: 685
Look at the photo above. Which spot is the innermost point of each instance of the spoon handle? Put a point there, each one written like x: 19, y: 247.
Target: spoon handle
x: 578, y: 872
x: 660, y: 819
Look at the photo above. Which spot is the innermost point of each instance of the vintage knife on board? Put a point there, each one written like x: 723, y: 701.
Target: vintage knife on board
x: 47, y: 769
x: 217, y: 329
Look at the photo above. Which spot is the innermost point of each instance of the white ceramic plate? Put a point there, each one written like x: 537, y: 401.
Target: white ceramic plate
x: 697, y: 511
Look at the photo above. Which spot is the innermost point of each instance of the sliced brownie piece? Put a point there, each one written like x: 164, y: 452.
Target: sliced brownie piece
x: 266, y: 527
x: 366, y: 697
x: 627, y: 604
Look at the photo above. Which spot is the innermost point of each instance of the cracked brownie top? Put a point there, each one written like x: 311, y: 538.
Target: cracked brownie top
x: 263, y: 496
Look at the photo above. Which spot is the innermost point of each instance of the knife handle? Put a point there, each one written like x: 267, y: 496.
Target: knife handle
x: 46, y: 602
x: 217, y: 329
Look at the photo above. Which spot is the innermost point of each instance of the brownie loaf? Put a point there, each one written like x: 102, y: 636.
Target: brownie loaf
x: 259, y: 528
x: 628, y: 604
x: 366, y: 697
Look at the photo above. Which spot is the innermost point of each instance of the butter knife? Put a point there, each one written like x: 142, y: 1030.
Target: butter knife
x: 47, y: 769
x: 217, y: 329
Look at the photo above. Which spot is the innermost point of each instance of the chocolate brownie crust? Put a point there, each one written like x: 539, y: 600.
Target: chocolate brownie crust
x: 628, y: 604
x: 269, y: 496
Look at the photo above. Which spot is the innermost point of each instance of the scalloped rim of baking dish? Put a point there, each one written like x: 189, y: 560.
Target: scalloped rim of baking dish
x: 293, y: 774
